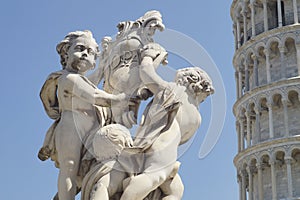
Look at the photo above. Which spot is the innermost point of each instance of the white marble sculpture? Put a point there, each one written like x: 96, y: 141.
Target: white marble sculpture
x: 70, y: 99
x: 90, y: 140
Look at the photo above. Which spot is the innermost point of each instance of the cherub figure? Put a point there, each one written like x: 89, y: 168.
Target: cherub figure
x: 170, y: 119
x: 70, y: 98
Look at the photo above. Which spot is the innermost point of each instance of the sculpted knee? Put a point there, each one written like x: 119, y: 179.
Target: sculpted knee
x: 69, y: 165
x: 159, y: 177
x: 130, y: 195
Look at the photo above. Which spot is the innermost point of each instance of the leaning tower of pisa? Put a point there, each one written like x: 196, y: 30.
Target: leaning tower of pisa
x: 267, y: 109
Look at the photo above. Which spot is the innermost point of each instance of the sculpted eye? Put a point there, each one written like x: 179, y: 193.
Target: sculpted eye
x: 79, y: 48
x: 91, y: 52
x: 206, y: 85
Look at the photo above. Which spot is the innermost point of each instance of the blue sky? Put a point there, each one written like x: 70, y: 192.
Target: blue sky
x: 30, y: 31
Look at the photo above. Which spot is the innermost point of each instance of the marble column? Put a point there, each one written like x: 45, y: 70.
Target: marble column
x: 248, y: 128
x: 235, y: 35
x: 253, y: 19
x: 237, y: 84
x: 242, y: 133
x: 296, y: 20
x: 250, y: 174
x: 285, y: 116
x: 265, y: 7
x: 288, y: 161
x: 237, y: 124
x: 257, y: 122
x: 255, y: 70
x: 270, y: 109
x: 282, y: 58
x: 298, y: 57
x: 244, y: 13
x: 240, y: 82
x: 260, y: 181
x: 268, y: 69
x: 240, y: 188
x: 279, y: 13
x: 243, y: 174
x: 272, y: 162
x: 246, y: 75
x: 238, y: 27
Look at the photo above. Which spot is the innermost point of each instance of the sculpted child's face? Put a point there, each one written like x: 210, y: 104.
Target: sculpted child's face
x: 81, y: 55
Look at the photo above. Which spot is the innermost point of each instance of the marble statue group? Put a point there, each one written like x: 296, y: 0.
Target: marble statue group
x: 90, y: 140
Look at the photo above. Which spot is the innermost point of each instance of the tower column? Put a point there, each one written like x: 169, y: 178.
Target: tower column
x: 248, y: 129
x: 288, y: 161
x: 240, y: 188
x: 260, y: 181
x: 250, y: 174
x: 285, y: 116
x: 296, y: 20
x: 279, y: 13
x: 266, y: 25
x: 298, y: 57
x: 242, y: 131
x: 240, y: 82
x: 244, y: 13
x: 272, y: 162
x: 246, y: 76
x: 255, y: 69
x: 267, y: 53
x: 283, y: 68
x: 237, y: 124
x: 243, y: 174
x: 235, y: 35
x: 257, y: 122
x: 271, y: 127
x: 238, y: 27
x: 252, y: 19
x: 237, y: 83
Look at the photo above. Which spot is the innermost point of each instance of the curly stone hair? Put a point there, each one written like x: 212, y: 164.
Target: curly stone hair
x: 194, y: 76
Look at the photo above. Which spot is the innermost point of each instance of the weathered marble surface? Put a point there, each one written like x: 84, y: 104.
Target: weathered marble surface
x: 90, y: 140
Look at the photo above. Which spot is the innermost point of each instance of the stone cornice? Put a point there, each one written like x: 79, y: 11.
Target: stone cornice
x: 264, y: 89
x: 266, y: 146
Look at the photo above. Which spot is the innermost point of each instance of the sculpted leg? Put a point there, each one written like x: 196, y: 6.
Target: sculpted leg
x: 108, y: 185
x: 100, y: 192
x: 67, y: 179
x: 116, y: 180
x: 159, y: 164
x: 173, y: 188
x: 140, y: 186
x: 68, y: 145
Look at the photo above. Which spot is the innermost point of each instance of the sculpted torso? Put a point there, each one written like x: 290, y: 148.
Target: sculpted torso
x: 123, y: 72
x: 74, y: 109
x: 189, y: 119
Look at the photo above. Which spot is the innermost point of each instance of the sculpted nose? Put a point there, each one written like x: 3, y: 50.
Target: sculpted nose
x: 84, y: 53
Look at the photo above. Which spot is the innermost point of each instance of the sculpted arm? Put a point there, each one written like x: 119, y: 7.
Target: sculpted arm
x: 148, y: 75
x: 91, y: 94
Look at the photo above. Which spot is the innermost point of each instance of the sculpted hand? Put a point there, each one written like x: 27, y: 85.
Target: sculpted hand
x: 121, y: 97
x: 129, y: 142
x: 156, y: 52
